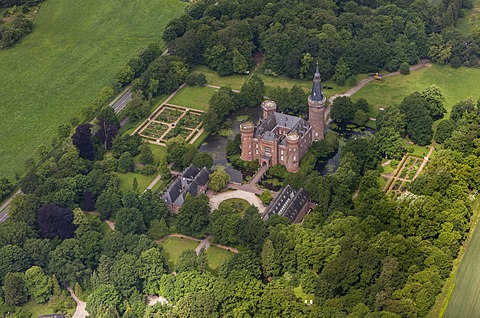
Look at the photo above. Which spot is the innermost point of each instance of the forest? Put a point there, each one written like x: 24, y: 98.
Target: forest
x: 345, y: 37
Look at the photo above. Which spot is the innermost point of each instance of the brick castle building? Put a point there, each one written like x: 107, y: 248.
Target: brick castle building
x: 283, y: 139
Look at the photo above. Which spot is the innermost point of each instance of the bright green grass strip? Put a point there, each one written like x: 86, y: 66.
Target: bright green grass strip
x: 173, y: 247
x: 75, y: 49
x: 126, y: 181
x: 216, y: 256
x: 41, y: 309
x: 196, y: 97
x: 457, y: 84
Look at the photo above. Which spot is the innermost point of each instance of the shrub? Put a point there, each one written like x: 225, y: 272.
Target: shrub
x: 404, y: 69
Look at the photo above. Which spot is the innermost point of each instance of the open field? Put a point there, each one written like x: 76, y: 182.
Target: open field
x: 76, y: 48
x: 234, y: 81
x: 463, y: 301
x: 457, y: 84
x: 216, y: 256
x: 471, y: 20
x: 41, y: 309
x: 174, y: 246
x: 196, y: 97
x: 126, y: 181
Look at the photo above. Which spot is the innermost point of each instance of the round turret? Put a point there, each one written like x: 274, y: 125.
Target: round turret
x: 269, y: 107
x: 293, y: 138
x: 247, y: 127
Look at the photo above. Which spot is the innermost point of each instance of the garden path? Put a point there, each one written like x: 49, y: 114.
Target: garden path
x: 216, y: 199
x: 80, y: 312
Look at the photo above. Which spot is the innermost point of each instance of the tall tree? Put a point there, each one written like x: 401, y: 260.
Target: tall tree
x: 82, y: 139
x: 38, y: 284
x: 193, y: 216
x: 55, y: 221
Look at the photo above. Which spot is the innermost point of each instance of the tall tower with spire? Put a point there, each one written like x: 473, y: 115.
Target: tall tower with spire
x: 316, y: 108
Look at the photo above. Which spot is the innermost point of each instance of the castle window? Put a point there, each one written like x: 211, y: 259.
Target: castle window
x: 256, y: 151
x: 294, y: 158
x: 281, y: 153
x: 281, y: 158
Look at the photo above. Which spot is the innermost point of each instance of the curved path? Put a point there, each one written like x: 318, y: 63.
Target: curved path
x: 251, y: 198
x: 80, y: 312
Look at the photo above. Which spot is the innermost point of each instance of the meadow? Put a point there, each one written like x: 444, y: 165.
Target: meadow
x: 173, y: 247
x: 75, y: 50
x: 457, y: 84
x: 215, y: 257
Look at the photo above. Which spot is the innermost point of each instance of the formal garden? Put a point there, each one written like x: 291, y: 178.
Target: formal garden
x: 171, y: 121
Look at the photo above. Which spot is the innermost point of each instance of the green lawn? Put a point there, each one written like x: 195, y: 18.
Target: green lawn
x: 471, y: 20
x: 174, y: 246
x: 233, y: 81
x: 126, y: 181
x: 329, y: 87
x: 216, y: 256
x: 41, y: 309
x: 240, y: 205
x: 418, y: 151
x: 457, y: 84
x: 75, y: 49
x: 196, y: 97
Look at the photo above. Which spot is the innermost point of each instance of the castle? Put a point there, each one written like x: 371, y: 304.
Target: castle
x: 283, y: 139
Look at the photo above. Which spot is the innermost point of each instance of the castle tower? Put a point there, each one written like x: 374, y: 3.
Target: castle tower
x: 269, y: 107
x: 293, y: 158
x: 316, y: 108
x: 246, y: 131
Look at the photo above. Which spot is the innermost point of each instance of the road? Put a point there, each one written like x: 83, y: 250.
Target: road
x: 6, y: 206
x: 122, y: 100
x: 80, y: 312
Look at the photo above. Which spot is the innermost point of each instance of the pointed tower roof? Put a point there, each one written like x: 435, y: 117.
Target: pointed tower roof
x: 316, y: 94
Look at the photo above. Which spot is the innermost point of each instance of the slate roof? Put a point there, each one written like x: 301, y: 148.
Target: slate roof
x: 316, y: 94
x: 265, y: 129
x: 288, y: 203
x: 190, y: 181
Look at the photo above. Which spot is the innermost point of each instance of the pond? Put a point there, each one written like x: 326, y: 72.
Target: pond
x: 215, y: 145
x: 331, y: 164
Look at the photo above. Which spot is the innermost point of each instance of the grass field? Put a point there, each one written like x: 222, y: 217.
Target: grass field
x: 418, y: 151
x: 126, y: 181
x: 196, y: 97
x: 41, y: 309
x: 471, y: 20
x: 456, y: 84
x: 216, y: 256
x: 76, y: 48
x: 464, y: 300
x: 174, y: 246
x: 240, y: 205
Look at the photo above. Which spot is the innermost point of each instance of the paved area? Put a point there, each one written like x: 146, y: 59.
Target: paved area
x: 121, y: 100
x: 154, y: 182
x: 216, y: 199
x: 6, y: 206
x: 80, y: 312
